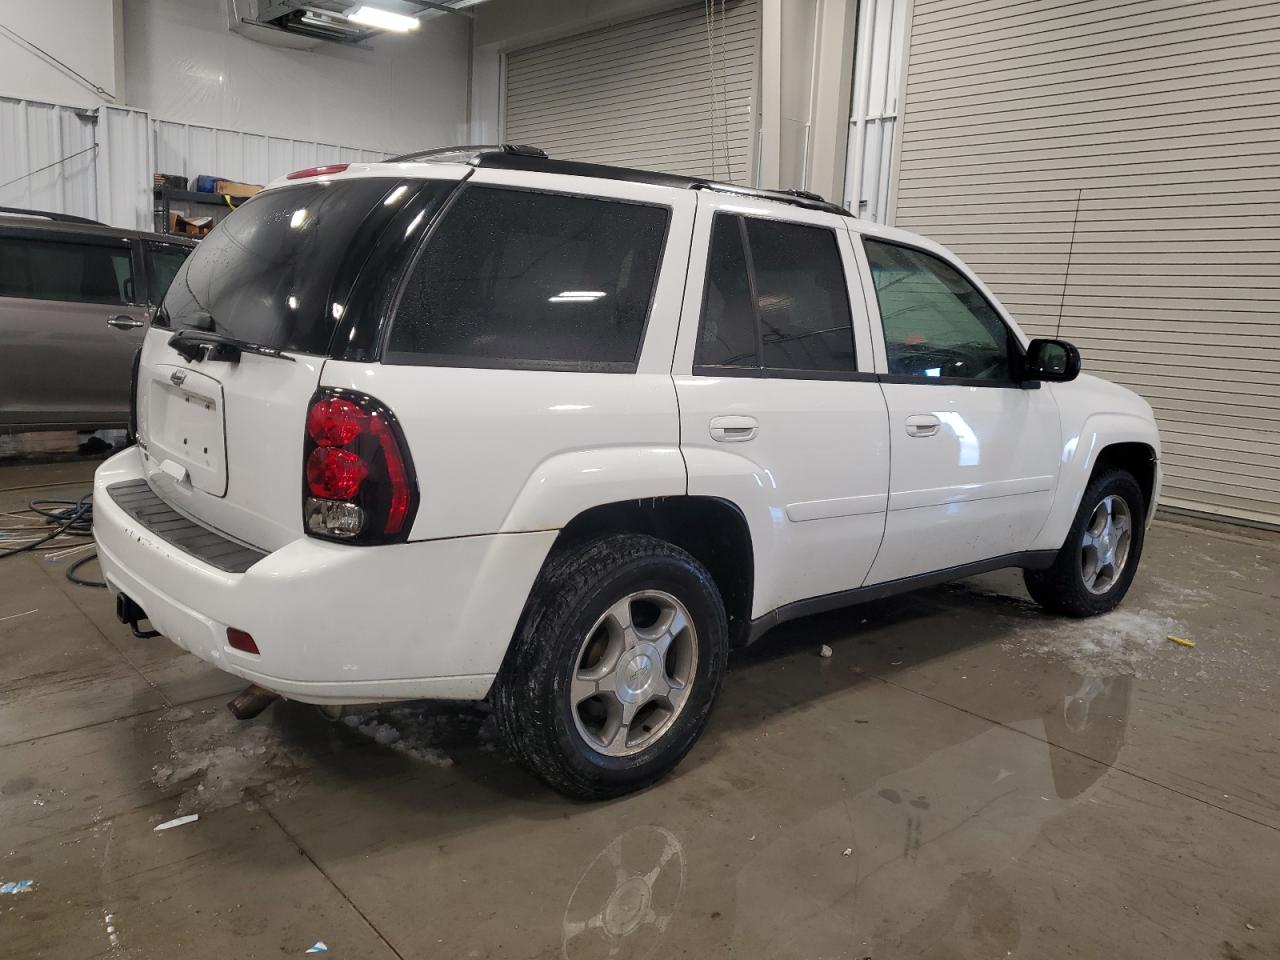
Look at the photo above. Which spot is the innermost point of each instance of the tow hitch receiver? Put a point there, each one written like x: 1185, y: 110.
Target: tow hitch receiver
x: 130, y: 613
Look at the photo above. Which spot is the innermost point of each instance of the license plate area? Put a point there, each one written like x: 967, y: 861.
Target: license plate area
x: 185, y: 432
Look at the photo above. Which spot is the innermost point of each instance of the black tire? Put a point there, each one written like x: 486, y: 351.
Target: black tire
x: 1061, y: 588
x: 531, y: 694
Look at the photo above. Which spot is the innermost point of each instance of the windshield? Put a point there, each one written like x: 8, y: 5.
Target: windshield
x: 265, y: 274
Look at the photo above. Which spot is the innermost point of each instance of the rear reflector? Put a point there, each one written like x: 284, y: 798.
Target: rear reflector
x: 239, y: 640
x: 317, y: 171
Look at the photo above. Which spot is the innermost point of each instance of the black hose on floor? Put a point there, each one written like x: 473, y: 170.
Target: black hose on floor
x: 73, y: 518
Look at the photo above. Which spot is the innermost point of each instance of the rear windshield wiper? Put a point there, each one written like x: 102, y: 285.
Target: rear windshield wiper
x: 198, y: 345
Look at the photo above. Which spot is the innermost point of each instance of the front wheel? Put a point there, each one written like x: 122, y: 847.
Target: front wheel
x: 1097, y: 563
x: 614, y: 668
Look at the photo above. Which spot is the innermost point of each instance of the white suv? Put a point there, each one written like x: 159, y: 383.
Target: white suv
x: 562, y: 435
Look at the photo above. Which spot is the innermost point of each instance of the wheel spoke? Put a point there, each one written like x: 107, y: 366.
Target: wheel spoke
x: 618, y: 729
x: 673, y: 623
x: 620, y: 614
x: 583, y: 688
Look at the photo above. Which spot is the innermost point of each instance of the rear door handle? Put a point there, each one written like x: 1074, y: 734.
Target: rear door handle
x: 922, y: 425
x: 124, y: 322
x: 733, y: 429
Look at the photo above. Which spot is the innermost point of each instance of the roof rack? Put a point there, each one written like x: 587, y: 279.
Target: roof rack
x: 50, y: 215
x: 510, y: 156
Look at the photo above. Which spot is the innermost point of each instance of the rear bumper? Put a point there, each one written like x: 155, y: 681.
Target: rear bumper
x: 334, y: 624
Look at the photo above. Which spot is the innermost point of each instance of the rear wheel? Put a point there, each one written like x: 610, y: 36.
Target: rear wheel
x: 614, y: 667
x: 1097, y: 563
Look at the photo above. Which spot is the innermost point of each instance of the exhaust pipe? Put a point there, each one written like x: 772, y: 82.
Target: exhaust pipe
x: 251, y: 701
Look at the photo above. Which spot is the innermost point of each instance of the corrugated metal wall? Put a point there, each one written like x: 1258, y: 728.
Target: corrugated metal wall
x: 99, y: 164
x: 1140, y: 144
x: 672, y: 92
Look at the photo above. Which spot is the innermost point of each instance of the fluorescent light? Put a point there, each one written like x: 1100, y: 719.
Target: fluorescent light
x: 577, y: 296
x: 383, y: 19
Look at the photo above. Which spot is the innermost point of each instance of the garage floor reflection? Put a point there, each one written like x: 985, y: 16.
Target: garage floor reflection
x: 964, y: 777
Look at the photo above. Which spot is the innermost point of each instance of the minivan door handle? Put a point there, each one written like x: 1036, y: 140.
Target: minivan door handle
x: 124, y: 322
x: 922, y: 425
x: 733, y: 429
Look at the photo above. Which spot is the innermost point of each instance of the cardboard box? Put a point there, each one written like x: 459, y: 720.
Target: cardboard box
x: 189, y: 226
x: 236, y: 189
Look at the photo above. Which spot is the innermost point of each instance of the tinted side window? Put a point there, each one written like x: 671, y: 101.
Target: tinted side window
x: 936, y: 323
x: 804, y: 304
x: 70, y: 271
x: 163, y: 261
x: 510, y: 276
x: 727, y: 332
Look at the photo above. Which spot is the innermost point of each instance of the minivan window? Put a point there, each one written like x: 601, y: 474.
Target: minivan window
x: 78, y: 272
x: 525, y: 279
x: 936, y: 323
x: 265, y: 273
x: 163, y: 261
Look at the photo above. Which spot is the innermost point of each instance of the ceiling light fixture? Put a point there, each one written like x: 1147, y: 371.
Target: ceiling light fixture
x: 382, y: 19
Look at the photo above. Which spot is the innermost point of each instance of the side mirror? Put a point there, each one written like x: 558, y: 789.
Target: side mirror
x: 1054, y: 360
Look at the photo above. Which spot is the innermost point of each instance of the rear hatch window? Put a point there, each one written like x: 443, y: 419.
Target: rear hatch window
x: 267, y: 273
x: 514, y: 278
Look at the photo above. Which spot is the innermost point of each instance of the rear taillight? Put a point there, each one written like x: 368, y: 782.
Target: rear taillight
x: 358, y: 481
x: 321, y: 171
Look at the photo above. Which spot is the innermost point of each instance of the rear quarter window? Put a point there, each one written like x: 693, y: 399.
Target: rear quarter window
x: 514, y: 278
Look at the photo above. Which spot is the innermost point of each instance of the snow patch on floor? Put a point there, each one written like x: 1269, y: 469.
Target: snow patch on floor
x: 218, y: 761
x: 1120, y: 642
x: 422, y: 731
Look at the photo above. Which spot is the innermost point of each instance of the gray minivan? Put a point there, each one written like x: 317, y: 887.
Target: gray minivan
x: 76, y: 297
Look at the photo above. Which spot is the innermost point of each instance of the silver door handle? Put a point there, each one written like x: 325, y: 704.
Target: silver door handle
x: 922, y: 425
x: 124, y: 322
x: 733, y: 429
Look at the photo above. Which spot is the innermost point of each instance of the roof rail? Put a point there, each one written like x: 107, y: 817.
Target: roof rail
x: 50, y: 215
x: 796, y: 198
x: 470, y: 151
x: 510, y: 156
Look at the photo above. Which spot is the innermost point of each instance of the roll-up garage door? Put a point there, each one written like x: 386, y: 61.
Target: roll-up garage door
x: 1113, y: 171
x: 673, y: 93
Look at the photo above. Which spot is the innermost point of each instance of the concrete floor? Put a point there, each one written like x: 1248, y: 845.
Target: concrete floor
x: 964, y: 777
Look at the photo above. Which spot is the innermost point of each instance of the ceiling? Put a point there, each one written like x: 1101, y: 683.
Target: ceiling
x: 325, y: 20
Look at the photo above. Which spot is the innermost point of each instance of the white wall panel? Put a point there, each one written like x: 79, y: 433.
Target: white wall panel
x: 79, y: 33
x: 392, y: 93
x: 124, y: 167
